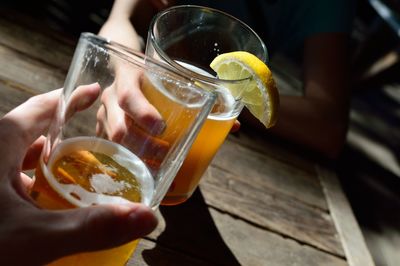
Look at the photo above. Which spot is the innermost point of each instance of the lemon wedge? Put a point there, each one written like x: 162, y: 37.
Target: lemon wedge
x: 259, y: 94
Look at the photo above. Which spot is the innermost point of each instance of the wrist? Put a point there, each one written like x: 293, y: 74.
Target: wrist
x: 122, y: 32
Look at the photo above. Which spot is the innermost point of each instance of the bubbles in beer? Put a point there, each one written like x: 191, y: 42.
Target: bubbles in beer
x: 182, y: 93
x: 224, y: 106
x: 88, y: 171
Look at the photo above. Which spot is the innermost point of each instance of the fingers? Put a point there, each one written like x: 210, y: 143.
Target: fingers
x: 26, y: 181
x: 95, y: 228
x: 111, y: 117
x: 82, y: 97
x: 235, y: 126
x: 120, y: 128
x: 101, y: 123
x: 151, y: 150
x: 32, y: 155
x: 32, y: 118
x: 24, y: 124
x: 135, y: 104
x: 44, y: 236
x: 21, y: 126
x: 23, y: 186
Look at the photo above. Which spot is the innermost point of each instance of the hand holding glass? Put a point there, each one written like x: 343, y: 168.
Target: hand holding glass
x: 81, y: 166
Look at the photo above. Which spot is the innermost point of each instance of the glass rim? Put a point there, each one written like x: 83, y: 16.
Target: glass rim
x: 212, y: 80
x: 132, y: 56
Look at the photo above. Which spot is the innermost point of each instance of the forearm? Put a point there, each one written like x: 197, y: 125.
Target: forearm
x: 123, y: 9
x: 308, y: 124
x: 314, y: 124
x: 319, y: 119
x: 118, y: 26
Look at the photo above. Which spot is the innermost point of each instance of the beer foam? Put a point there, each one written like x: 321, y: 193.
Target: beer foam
x: 195, y: 69
x: 224, y: 108
x: 101, y: 183
x: 183, y: 93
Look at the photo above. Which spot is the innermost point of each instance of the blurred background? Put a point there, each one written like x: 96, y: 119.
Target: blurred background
x: 369, y: 168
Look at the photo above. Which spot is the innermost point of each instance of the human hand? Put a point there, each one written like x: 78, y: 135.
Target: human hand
x: 119, y: 27
x: 128, y: 118
x: 235, y: 126
x: 32, y: 236
x: 125, y: 108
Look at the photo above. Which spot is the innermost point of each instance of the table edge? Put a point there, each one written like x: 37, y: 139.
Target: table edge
x: 349, y: 231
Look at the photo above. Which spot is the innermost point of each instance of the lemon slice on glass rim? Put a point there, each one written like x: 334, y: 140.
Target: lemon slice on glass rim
x: 260, y: 94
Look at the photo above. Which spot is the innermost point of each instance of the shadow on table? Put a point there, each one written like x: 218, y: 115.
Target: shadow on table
x: 190, y: 229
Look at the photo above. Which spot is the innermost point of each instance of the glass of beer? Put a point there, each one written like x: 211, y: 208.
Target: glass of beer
x: 188, y: 38
x: 80, y: 166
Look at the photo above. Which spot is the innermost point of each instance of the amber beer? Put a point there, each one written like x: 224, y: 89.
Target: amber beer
x: 205, y: 146
x: 207, y: 143
x: 84, y: 171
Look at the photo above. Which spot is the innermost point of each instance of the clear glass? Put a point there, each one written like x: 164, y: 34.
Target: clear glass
x: 80, y: 166
x: 188, y: 38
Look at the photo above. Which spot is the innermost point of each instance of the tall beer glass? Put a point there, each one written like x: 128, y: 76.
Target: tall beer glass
x: 80, y: 167
x: 188, y: 38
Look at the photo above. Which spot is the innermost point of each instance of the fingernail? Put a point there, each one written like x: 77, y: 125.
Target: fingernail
x: 154, y: 126
x: 126, y: 208
x: 159, y: 127
x: 143, y: 221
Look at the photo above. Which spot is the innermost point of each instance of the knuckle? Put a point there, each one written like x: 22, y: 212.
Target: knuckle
x: 124, y: 101
x: 118, y: 132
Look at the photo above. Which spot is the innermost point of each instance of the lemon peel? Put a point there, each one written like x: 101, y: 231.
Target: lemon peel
x: 259, y: 94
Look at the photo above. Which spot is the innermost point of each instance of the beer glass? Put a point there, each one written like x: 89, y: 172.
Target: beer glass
x: 80, y: 166
x: 188, y: 38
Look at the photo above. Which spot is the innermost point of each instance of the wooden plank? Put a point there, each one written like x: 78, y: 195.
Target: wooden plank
x: 28, y: 73
x: 190, y: 229
x: 354, y: 245
x: 271, y: 173
x: 273, y: 147
x: 237, y: 194
x: 254, y: 246
x: 211, y: 234
x: 11, y: 97
x: 82, y: 123
x: 35, y: 44
x: 216, y: 238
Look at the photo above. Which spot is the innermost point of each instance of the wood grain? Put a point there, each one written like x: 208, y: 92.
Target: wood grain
x: 217, y: 238
x: 253, y: 246
x: 270, y: 173
x: 273, y: 147
x: 260, y: 203
x: 190, y: 229
x: 239, y: 195
x: 28, y: 73
x: 354, y: 245
x: 11, y: 97
x: 37, y: 44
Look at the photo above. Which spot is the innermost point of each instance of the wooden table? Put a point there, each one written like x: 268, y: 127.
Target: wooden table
x: 260, y: 203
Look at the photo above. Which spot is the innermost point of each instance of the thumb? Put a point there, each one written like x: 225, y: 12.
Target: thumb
x: 34, y: 115
x: 32, y: 118
x: 94, y: 228
x: 25, y: 123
